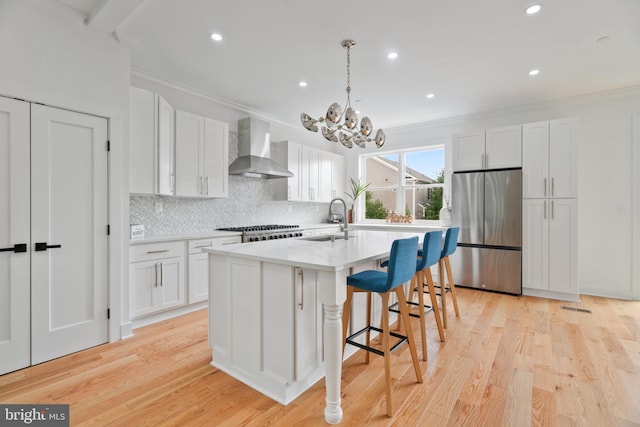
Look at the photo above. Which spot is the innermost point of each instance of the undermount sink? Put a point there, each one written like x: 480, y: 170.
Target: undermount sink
x: 325, y: 237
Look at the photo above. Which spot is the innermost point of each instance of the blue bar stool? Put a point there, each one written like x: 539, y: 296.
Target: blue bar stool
x: 450, y: 245
x: 401, y: 269
x: 428, y: 256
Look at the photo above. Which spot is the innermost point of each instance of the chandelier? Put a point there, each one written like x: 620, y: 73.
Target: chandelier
x: 345, y: 124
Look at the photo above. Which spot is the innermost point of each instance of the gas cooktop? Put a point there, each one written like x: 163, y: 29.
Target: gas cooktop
x: 256, y: 233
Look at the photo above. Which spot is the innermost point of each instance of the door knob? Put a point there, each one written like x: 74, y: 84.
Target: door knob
x: 20, y: 247
x: 42, y: 246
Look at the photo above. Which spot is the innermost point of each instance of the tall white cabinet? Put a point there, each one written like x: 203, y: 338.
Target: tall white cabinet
x: 550, y: 220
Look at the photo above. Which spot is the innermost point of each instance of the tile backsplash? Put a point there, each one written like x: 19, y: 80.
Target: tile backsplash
x: 250, y: 202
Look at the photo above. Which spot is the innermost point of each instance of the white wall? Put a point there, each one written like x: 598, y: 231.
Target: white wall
x: 605, y: 163
x: 48, y: 60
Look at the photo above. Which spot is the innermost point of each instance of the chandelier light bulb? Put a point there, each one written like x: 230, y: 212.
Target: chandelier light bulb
x: 340, y: 125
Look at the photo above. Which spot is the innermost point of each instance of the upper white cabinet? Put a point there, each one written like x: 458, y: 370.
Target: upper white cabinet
x: 549, y: 159
x: 151, y: 148
x: 318, y: 175
x: 492, y: 149
x: 202, y: 160
x: 338, y: 176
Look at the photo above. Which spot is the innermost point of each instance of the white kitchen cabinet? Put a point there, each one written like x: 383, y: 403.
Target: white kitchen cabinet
x: 198, y: 271
x: 202, y: 147
x: 318, y: 176
x: 338, y: 176
x: 151, y: 148
x: 549, y: 159
x: 310, y: 170
x: 549, y: 246
x: 289, y: 155
x: 491, y: 149
x: 156, y: 277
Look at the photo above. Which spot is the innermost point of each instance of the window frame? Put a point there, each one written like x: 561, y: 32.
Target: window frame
x: 401, y: 186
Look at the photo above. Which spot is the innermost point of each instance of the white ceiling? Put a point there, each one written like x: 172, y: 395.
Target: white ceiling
x: 473, y: 55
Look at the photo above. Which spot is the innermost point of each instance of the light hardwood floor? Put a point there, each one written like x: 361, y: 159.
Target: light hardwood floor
x: 508, y: 361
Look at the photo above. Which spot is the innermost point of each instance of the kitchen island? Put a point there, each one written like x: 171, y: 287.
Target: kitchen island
x: 275, y: 310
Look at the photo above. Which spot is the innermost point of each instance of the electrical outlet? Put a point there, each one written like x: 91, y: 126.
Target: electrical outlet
x: 158, y: 207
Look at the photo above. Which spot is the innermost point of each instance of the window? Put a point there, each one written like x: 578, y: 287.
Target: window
x: 407, y: 183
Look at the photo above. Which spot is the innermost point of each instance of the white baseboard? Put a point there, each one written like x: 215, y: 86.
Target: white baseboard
x: 126, y: 330
x: 550, y: 295
x: 169, y: 314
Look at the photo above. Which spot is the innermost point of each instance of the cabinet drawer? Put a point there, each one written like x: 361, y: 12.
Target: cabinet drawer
x: 151, y: 251
x: 195, y: 246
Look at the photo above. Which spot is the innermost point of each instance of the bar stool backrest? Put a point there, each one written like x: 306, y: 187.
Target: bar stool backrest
x: 402, y: 262
x: 430, y: 250
x: 450, y: 241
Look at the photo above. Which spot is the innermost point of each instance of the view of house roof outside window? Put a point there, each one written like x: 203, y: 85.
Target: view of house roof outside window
x: 407, y: 184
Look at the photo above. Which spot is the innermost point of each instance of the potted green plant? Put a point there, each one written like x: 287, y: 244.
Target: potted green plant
x: 357, y: 188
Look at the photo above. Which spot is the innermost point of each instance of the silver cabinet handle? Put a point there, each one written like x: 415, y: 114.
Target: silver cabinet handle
x: 155, y: 282
x: 201, y: 189
x: 486, y: 161
x: 206, y: 245
x: 552, y: 192
x: 545, y: 187
x: 158, y: 251
x: 301, y: 303
x: 552, y: 209
x: 545, y: 209
x: 207, y: 183
x: 161, y: 274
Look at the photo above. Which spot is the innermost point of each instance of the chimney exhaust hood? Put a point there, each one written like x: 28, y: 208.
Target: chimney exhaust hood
x: 254, y: 151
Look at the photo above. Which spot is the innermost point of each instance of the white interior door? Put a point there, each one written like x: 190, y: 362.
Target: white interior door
x: 15, y: 325
x: 69, y: 215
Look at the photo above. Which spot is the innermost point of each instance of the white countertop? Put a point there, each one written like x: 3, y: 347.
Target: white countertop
x: 186, y: 236
x: 362, y: 246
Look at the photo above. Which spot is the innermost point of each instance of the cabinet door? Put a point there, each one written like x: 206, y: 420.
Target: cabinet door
x: 535, y: 160
x: 216, y: 158
x: 143, y: 281
x: 308, y: 328
x: 142, y: 141
x: 338, y: 176
x: 189, y: 141
x: 503, y: 147
x: 468, y: 151
x: 198, y: 277
x: 166, y: 148
x: 535, y: 244
x: 563, y: 248
x: 310, y: 169
x: 324, y: 183
x: 171, y: 286
x: 15, y: 268
x: 294, y: 164
x: 563, y: 161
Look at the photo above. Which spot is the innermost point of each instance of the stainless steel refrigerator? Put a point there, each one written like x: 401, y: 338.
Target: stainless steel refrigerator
x: 487, y: 206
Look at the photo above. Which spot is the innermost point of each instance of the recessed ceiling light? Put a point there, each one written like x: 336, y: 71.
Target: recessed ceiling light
x: 430, y: 95
x: 215, y: 36
x: 534, y: 72
x: 533, y: 9
x: 302, y: 84
x: 392, y: 55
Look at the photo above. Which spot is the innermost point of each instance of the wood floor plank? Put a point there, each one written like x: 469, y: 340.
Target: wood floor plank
x: 507, y: 361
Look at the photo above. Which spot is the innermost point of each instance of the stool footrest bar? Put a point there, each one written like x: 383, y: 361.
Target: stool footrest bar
x: 350, y: 338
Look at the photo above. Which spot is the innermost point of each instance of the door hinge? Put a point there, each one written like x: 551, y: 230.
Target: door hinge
x: 108, y: 145
x: 108, y: 229
x: 108, y: 313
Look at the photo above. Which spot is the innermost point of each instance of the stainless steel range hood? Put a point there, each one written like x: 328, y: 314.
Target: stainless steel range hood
x: 254, y: 151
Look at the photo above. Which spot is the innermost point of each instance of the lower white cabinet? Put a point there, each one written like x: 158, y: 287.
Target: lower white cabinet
x: 198, y: 271
x: 549, y: 246
x: 156, y: 277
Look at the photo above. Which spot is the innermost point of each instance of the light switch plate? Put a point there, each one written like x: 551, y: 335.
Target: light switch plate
x: 158, y: 207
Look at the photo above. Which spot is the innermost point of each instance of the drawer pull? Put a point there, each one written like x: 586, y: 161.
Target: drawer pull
x: 203, y: 246
x: 158, y: 252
